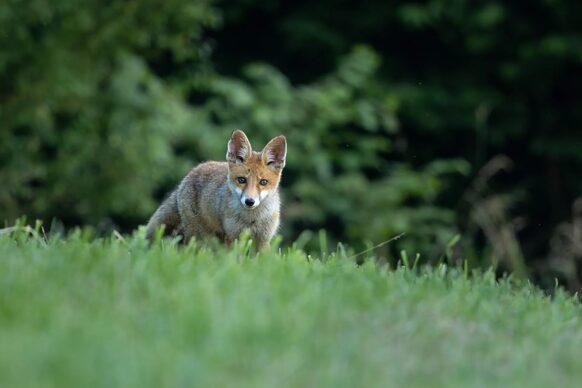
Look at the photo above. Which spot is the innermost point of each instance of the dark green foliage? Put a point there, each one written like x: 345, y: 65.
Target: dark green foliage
x: 392, y: 110
x: 467, y: 79
x: 340, y: 131
x: 87, y: 126
x: 100, y: 133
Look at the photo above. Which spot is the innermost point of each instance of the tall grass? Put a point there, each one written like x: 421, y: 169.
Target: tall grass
x: 80, y: 311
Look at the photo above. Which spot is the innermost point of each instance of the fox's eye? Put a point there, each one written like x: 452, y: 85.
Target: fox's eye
x: 263, y: 182
x: 241, y: 179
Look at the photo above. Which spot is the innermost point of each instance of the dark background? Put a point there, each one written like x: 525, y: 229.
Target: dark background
x: 438, y: 119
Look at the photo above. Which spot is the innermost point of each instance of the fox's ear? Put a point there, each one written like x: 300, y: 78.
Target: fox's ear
x: 239, y: 147
x: 275, y: 152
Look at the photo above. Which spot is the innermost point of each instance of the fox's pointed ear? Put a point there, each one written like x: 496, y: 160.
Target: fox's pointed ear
x: 275, y: 152
x: 239, y: 147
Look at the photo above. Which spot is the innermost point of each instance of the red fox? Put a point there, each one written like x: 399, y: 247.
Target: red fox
x: 221, y: 199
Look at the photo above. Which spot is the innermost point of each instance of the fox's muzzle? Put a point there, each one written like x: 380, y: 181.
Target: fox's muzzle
x: 248, y: 201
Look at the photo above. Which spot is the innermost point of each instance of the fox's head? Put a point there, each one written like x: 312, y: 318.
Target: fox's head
x: 254, y: 175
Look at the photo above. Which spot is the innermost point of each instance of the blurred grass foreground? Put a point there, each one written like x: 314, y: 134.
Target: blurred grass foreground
x: 113, y: 312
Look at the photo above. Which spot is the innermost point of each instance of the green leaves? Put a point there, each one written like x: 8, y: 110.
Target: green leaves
x: 88, y: 125
x: 340, y: 132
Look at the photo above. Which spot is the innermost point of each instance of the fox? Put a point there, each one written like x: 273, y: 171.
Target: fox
x: 224, y: 198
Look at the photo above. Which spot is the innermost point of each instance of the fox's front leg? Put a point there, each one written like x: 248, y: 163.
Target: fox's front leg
x: 262, y: 237
x: 262, y: 245
x: 227, y: 241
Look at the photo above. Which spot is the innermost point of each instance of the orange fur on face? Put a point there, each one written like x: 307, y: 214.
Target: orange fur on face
x: 254, y: 169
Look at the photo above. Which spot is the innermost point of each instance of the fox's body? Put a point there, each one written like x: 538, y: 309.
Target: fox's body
x: 222, y: 199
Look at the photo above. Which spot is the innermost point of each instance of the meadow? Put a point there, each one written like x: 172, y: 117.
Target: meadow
x: 82, y: 311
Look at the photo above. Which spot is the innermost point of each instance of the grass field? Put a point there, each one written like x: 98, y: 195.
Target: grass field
x: 76, y: 312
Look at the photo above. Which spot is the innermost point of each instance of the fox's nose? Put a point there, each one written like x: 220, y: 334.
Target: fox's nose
x: 249, y: 202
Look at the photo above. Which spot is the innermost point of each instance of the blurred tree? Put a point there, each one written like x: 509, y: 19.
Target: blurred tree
x: 470, y: 79
x: 97, y: 123
x: 104, y: 106
x: 338, y: 174
x: 87, y: 125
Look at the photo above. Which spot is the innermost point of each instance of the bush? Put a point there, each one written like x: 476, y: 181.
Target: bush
x: 97, y: 124
x: 339, y: 174
x: 88, y: 126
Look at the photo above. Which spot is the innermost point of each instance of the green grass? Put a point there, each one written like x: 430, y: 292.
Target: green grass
x: 106, y: 313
